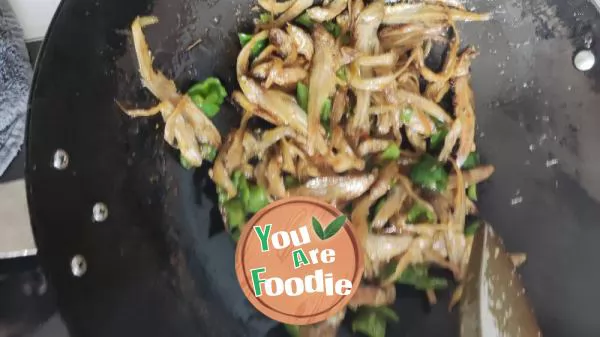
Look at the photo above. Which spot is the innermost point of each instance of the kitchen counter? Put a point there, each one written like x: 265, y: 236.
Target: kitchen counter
x: 34, y: 16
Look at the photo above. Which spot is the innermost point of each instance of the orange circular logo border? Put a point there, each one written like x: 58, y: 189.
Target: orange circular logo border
x: 278, y: 315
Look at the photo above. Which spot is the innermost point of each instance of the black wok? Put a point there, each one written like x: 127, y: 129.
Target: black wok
x: 160, y: 264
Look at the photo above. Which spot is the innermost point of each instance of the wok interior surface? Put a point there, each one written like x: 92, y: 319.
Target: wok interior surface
x: 161, y: 263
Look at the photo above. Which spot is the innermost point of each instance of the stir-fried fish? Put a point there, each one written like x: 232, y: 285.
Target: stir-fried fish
x: 353, y: 125
x: 188, y: 127
x: 354, y: 117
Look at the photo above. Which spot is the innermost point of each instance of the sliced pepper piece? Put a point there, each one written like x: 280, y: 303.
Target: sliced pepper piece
x: 326, y: 111
x: 392, y: 152
x: 472, y: 161
x: 290, y: 181
x: 418, y: 277
x: 243, y: 190
x: 302, y: 95
x: 184, y: 163
x: 235, y: 234
x: 333, y: 28
x: 437, y: 139
x: 252, y: 196
x: 342, y: 73
x: 265, y: 17
x: 406, y: 115
x: 326, y: 116
x: 419, y: 213
x: 372, y: 321
x: 244, y: 38
x: 430, y: 174
x: 304, y: 20
x: 471, y: 229
x: 259, y: 47
x: 208, y: 95
x: 472, y: 192
x: 292, y: 330
x: 222, y: 195
x: 236, y: 178
x: 209, y: 152
x: 258, y: 198
x: 236, y: 216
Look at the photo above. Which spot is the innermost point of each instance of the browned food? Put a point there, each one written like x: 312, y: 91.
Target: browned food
x: 353, y: 108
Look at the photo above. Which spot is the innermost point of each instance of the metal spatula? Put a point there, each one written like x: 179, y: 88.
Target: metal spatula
x: 494, y: 302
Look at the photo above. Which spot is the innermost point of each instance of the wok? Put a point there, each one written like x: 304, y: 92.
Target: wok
x: 135, y: 246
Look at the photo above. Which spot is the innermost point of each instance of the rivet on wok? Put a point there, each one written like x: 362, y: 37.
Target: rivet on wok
x: 584, y: 60
x: 99, y: 212
x: 78, y: 265
x: 61, y: 159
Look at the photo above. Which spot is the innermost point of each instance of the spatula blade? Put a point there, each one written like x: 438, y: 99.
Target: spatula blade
x: 494, y: 302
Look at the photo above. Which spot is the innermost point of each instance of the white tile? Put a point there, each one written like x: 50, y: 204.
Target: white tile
x: 16, y: 238
x: 34, y: 16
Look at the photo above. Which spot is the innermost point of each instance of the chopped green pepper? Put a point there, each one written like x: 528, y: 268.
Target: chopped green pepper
x: 471, y: 229
x: 472, y: 192
x: 257, y: 199
x: 388, y: 270
x: 302, y: 95
x: 372, y: 321
x: 237, y: 177
x: 437, y: 139
x: 326, y: 111
x: 419, y: 213
x: 253, y: 197
x: 406, y: 115
x: 244, y: 38
x: 184, y: 163
x: 418, y: 276
x: 392, y: 152
x: 342, y: 73
x: 388, y: 313
x: 250, y: 199
x: 235, y: 213
x: 259, y: 47
x: 235, y: 234
x: 243, y: 188
x: 208, y: 95
x: 292, y: 330
x: 304, y: 20
x: 326, y: 116
x: 429, y: 173
x: 471, y: 161
x: 222, y: 195
x: 369, y: 324
x: 333, y: 28
x: 265, y: 17
x: 209, y: 152
x: 290, y: 181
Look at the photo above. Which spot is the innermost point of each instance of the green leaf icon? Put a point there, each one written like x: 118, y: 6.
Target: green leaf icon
x: 331, y: 229
x: 317, y: 228
x: 334, y: 226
